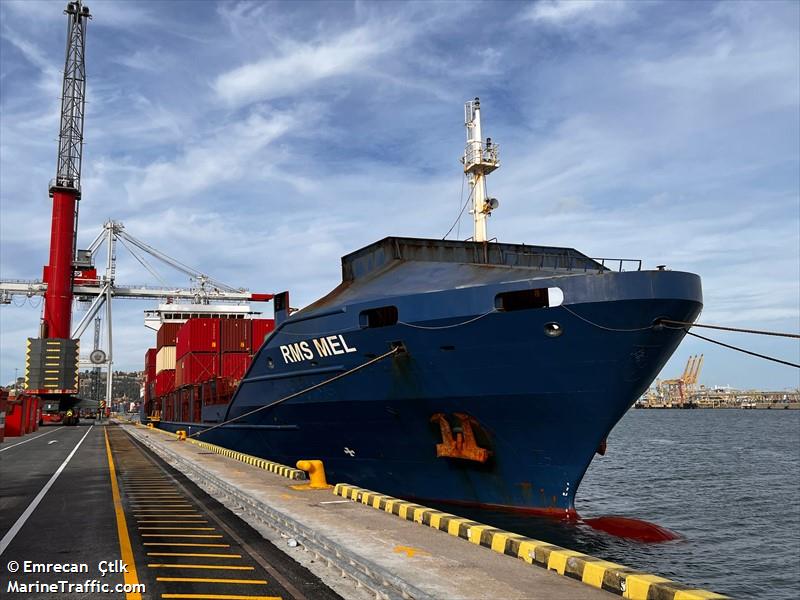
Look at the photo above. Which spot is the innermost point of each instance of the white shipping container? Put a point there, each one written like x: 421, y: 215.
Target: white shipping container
x: 165, y: 359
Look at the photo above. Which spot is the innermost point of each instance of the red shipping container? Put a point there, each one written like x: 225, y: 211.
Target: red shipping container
x: 261, y: 328
x: 33, y: 415
x: 166, y: 334
x: 14, y: 421
x: 234, y: 365
x: 198, y: 335
x: 235, y: 335
x: 27, y: 407
x: 3, y: 399
x: 165, y: 382
x: 150, y: 364
x: 197, y: 366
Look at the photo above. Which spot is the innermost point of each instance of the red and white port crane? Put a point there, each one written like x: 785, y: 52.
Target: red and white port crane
x: 52, y: 358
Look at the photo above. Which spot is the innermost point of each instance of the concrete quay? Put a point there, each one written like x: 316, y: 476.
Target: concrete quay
x: 375, y: 545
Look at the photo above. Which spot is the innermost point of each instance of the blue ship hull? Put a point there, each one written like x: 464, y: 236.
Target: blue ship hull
x: 542, y: 403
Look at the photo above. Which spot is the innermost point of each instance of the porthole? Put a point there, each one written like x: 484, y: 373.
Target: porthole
x: 553, y: 330
x: 270, y: 363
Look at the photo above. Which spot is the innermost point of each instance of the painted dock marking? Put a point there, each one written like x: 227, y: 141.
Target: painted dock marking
x: 187, y: 566
x: 11, y: 534
x: 195, y: 554
x: 181, y: 535
x: 219, y: 597
x: 185, y: 544
x: 410, y: 552
x: 598, y: 573
x: 213, y: 580
x: 30, y: 440
x: 180, y: 528
x: 130, y: 577
x: 189, y: 520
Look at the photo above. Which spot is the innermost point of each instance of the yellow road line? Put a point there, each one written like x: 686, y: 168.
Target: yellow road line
x: 205, y: 580
x: 150, y: 485
x: 140, y: 505
x: 208, y: 554
x: 186, y: 544
x: 162, y: 508
x: 175, y: 513
x: 182, y: 566
x: 159, y: 483
x: 130, y: 576
x: 192, y: 520
x: 182, y: 535
x: 180, y: 528
x: 157, y: 502
x: 219, y: 597
x: 142, y: 495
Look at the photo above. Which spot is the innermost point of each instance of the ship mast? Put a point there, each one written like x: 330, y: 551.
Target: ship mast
x: 480, y: 158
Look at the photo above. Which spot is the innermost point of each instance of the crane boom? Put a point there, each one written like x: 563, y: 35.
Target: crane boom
x: 73, y: 99
x: 51, y: 368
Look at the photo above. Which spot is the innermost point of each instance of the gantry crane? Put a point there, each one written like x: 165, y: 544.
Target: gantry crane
x: 52, y: 359
x: 684, y: 386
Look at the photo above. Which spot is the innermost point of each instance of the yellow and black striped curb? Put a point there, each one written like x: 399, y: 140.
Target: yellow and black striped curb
x: 255, y: 461
x: 598, y: 573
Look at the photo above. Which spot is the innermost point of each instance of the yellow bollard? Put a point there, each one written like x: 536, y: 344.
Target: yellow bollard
x: 181, y: 433
x: 316, y: 473
x: 150, y: 426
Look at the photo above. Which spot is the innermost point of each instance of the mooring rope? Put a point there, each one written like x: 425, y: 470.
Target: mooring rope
x: 434, y: 327
x: 684, y: 324
x: 750, y: 352
x: 573, y: 313
x: 355, y: 369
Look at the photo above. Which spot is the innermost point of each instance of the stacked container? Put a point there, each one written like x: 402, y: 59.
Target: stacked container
x: 261, y: 328
x: 165, y: 358
x: 149, y: 375
x: 200, y: 363
x: 198, y: 349
x: 165, y: 382
x: 237, y: 347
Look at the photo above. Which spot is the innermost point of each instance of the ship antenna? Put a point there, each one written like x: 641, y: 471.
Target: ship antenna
x: 480, y: 158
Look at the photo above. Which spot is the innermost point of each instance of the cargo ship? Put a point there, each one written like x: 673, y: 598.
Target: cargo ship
x: 459, y: 372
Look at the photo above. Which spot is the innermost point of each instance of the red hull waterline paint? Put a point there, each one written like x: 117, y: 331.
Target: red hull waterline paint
x: 632, y: 529
x: 623, y: 527
x: 58, y: 273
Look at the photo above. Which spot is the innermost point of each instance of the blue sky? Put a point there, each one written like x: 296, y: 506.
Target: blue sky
x: 262, y: 141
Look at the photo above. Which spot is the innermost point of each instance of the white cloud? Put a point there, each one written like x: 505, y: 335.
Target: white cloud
x: 676, y: 144
x: 302, y: 65
x: 214, y: 159
x: 566, y: 13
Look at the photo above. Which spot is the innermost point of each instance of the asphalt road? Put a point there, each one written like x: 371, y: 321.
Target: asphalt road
x: 145, y: 526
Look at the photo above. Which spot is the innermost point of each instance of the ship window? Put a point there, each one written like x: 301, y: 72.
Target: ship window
x: 527, y: 299
x: 378, y: 317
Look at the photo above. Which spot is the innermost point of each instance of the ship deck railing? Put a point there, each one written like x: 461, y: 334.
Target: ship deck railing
x: 570, y: 262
